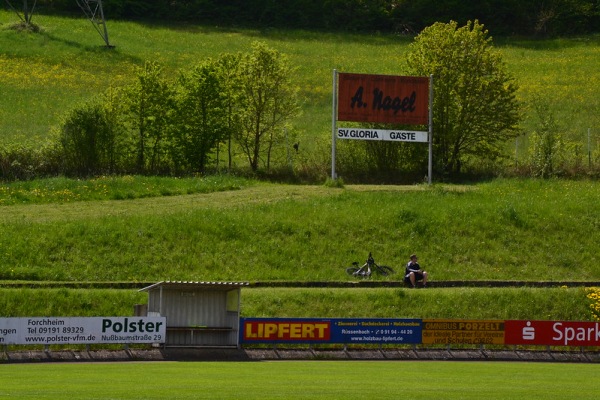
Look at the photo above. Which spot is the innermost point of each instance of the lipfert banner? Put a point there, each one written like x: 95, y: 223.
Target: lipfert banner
x: 294, y: 330
x: 383, y: 99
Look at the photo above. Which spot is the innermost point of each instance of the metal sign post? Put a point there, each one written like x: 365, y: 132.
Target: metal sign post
x: 333, y: 123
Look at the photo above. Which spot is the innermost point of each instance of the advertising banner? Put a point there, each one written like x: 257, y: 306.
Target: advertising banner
x: 381, y: 134
x: 80, y: 330
x: 294, y: 330
x: 553, y: 333
x: 383, y: 99
x: 453, y: 331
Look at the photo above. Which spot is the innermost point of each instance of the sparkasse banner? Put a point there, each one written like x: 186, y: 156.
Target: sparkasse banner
x: 82, y: 330
x: 552, y: 333
x: 383, y: 99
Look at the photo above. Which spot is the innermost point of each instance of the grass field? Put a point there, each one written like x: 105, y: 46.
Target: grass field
x: 301, y: 380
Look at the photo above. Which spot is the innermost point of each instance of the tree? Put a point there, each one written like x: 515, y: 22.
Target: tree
x: 201, y: 114
x: 89, y: 137
x: 148, y: 108
x: 228, y: 68
x: 267, y: 101
x: 475, y: 107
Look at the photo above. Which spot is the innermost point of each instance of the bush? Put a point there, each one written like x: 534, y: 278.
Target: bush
x: 24, y: 162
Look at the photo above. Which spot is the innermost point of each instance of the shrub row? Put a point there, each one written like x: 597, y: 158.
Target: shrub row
x: 542, y: 17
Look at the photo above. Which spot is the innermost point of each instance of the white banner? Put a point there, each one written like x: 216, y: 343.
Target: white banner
x: 80, y: 330
x: 382, y: 134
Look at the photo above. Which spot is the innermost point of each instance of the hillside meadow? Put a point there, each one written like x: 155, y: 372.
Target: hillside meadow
x: 139, y: 229
x: 43, y: 75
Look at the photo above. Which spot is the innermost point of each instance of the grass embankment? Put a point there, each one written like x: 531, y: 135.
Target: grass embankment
x: 43, y: 75
x: 521, y: 230
x: 456, y: 303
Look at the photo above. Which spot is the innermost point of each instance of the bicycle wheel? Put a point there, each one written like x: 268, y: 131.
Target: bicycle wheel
x: 359, y: 272
x: 384, y: 270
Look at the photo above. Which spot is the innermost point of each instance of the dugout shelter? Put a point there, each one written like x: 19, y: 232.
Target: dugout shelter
x: 199, y: 314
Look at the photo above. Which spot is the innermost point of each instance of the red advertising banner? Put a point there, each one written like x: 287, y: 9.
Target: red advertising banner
x: 383, y: 99
x: 552, y: 333
x: 286, y: 330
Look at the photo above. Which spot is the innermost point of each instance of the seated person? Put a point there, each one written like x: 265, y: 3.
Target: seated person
x: 414, y: 273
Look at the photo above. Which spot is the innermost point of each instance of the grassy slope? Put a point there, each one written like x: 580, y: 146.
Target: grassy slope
x: 503, y: 230
x: 43, y: 75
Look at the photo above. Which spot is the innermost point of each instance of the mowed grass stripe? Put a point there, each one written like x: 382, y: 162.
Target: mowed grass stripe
x: 301, y: 380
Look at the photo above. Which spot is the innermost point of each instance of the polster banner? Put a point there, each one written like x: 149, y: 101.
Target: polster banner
x: 82, y: 330
x: 383, y: 99
x: 339, y: 331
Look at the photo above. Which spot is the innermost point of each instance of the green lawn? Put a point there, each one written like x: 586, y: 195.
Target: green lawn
x: 301, y: 380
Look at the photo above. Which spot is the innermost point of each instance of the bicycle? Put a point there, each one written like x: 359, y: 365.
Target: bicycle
x: 368, y: 268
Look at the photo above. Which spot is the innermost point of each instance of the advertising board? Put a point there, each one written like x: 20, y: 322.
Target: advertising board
x: 383, y: 99
x: 80, y: 330
x: 453, y: 331
x: 382, y: 134
x: 552, y: 333
x: 292, y: 330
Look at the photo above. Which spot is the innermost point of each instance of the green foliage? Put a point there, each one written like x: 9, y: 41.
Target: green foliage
x: 547, y: 146
x: 148, y: 114
x: 475, y: 108
x: 89, y: 139
x: 506, y: 16
x: 593, y: 295
x: 334, y: 183
x: 173, y: 127
x: 29, y: 160
x: 201, y: 115
x: 268, y: 100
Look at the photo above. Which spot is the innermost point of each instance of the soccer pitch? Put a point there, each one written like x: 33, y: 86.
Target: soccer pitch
x: 301, y: 380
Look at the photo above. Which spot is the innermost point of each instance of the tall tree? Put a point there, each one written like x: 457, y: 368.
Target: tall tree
x: 149, y: 110
x: 268, y: 100
x: 228, y: 68
x: 201, y: 114
x: 475, y: 107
